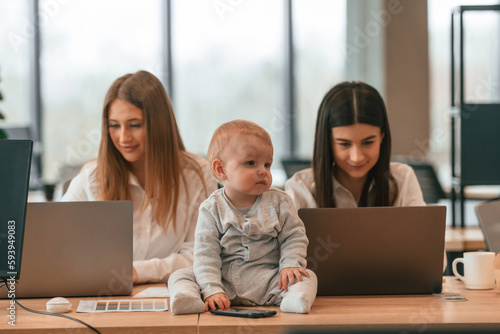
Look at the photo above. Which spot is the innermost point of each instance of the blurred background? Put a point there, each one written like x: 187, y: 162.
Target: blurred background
x: 269, y: 61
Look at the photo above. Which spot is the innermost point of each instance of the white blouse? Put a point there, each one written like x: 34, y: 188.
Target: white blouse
x: 157, y: 253
x: 302, y: 188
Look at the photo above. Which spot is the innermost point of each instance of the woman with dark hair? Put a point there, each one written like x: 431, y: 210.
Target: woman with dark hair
x: 352, y: 149
x: 142, y: 158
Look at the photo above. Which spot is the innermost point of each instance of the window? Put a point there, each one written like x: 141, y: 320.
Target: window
x: 14, y: 61
x: 319, y: 36
x: 86, y: 45
x: 228, y: 64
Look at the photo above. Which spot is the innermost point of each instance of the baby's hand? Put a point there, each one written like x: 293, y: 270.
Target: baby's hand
x: 217, y: 301
x: 287, y: 276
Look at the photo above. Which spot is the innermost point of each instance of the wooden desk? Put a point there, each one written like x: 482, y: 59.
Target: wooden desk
x: 414, y: 313
x: 130, y: 322
x: 411, y: 313
x: 458, y: 239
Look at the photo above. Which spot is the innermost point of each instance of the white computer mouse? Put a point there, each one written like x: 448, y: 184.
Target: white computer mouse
x: 58, y: 305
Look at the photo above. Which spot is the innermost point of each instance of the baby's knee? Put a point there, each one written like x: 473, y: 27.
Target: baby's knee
x: 312, y: 276
x: 185, y: 274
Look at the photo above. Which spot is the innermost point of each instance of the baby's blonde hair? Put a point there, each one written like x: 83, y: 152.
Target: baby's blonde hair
x: 230, y: 130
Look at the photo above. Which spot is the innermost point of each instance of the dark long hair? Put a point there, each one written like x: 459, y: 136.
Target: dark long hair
x: 345, y: 104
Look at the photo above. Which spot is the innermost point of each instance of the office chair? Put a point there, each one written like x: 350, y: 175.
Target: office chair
x: 292, y: 165
x: 24, y: 132
x: 66, y: 175
x: 429, y: 182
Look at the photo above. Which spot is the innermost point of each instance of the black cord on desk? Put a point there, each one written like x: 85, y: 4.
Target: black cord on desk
x: 53, y: 314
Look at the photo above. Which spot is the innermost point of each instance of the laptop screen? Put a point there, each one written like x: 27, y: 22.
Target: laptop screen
x: 488, y: 214
x: 15, y: 161
x: 376, y: 250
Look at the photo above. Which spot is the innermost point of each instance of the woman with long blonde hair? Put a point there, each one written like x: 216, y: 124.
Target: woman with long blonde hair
x: 142, y: 158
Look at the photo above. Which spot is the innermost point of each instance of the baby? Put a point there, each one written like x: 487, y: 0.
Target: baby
x: 250, y: 245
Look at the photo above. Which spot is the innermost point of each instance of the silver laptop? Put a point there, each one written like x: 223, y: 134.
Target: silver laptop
x: 489, y: 218
x: 376, y: 250
x: 77, y: 249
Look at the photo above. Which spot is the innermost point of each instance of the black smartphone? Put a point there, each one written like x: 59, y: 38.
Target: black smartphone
x: 244, y: 312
